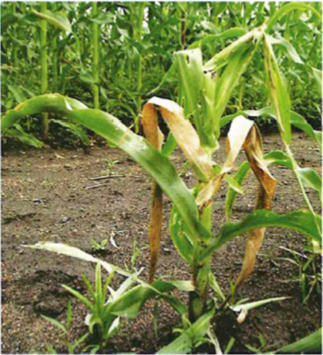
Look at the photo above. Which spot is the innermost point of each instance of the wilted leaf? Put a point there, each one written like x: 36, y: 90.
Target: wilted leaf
x: 238, y: 133
x: 155, y: 137
x: 185, y: 135
x: 267, y: 184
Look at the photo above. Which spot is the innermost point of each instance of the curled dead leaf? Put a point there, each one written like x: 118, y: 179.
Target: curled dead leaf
x: 184, y: 133
x: 155, y: 137
x: 267, y: 184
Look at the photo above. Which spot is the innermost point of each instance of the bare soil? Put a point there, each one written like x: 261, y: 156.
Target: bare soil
x: 44, y: 199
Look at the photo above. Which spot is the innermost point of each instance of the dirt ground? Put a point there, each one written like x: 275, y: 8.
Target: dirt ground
x: 44, y: 199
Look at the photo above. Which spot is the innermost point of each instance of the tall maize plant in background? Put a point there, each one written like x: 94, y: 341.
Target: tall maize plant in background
x: 204, y: 90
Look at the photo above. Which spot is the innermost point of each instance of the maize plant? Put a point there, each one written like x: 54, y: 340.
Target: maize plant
x: 204, y: 90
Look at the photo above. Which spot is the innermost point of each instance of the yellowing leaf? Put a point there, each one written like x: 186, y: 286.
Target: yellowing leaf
x: 239, y: 130
x: 155, y: 137
x: 185, y: 135
x: 254, y: 152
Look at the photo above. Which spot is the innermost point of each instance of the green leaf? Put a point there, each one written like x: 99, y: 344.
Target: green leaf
x: 234, y: 184
x: 184, y: 343
x: 156, y: 288
x: 311, y: 178
x: 277, y: 92
x: 56, y: 323
x: 130, y: 303
x: 80, y: 340
x: 232, y: 193
x: 69, y: 315
x: 119, y: 135
x: 227, y: 82
x: 78, y: 295
x: 278, y: 157
x: 291, y: 51
x: 57, y: 19
x: 17, y: 93
x: 19, y: 133
x: 98, y: 286
x: 88, y: 285
x: 75, y: 129
x: 211, y: 39
x: 88, y: 77
x: 215, y: 286
x: 301, y: 221
x: 181, y: 345
x: 300, y: 122
x: 229, y: 345
x: 170, y: 145
x: 190, y: 68
x: 287, y: 8
x: 167, y: 76
x: 222, y: 58
x: 317, y: 74
x: 181, y: 242
x: 312, y: 344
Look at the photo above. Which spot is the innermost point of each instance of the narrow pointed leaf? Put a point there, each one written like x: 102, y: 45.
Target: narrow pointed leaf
x: 56, y: 323
x: 179, y: 238
x: 231, y: 194
x: 231, y: 33
x: 57, y: 19
x: 222, y: 58
x: 183, y: 344
x: 286, y: 9
x: 311, y: 178
x: 291, y: 51
x: 301, y: 221
x: 78, y: 295
x: 277, y: 92
x: 227, y: 82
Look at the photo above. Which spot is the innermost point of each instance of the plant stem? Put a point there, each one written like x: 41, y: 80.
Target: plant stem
x: 200, y: 271
x: 15, y: 47
x: 183, y: 29
x: 138, y: 34
x: 95, y: 59
x: 55, y: 58
x: 43, y: 64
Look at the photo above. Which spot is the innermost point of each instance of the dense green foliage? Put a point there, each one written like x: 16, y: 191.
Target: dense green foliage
x: 133, y: 48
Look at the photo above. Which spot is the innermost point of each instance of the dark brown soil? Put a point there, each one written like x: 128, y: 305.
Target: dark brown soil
x: 44, y: 199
